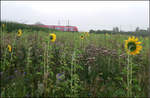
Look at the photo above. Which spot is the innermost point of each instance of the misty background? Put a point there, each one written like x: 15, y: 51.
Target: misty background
x: 86, y: 15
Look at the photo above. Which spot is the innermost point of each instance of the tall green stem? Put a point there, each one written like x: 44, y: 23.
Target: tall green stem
x: 44, y: 69
x: 128, y: 91
x: 129, y: 77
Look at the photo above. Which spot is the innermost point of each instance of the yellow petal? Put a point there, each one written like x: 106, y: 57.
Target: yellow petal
x: 129, y: 38
x: 133, y: 37
x: 136, y: 39
x: 126, y: 41
x: 138, y: 43
x: 140, y: 47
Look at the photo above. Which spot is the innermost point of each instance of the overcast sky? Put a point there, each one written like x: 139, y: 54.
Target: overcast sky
x: 85, y: 15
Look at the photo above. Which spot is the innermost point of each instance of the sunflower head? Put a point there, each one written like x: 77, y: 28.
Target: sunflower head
x: 52, y: 37
x: 9, y: 48
x: 106, y: 34
x: 19, y: 32
x: 81, y: 37
x: 132, y: 46
x: 86, y: 33
x: 3, y: 25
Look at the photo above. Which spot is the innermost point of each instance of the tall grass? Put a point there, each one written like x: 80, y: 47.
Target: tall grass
x: 91, y: 67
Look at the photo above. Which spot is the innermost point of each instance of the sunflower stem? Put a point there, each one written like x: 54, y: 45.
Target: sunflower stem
x: 131, y: 76
x: 44, y: 70
x: 128, y: 77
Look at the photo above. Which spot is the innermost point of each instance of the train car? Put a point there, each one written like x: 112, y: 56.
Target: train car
x: 61, y: 28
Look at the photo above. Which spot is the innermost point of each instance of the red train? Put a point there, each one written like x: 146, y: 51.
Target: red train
x: 61, y: 28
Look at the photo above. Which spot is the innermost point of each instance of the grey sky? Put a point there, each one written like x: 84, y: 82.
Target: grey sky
x: 85, y: 15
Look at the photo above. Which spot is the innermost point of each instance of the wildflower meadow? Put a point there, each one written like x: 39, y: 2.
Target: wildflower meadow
x: 40, y: 62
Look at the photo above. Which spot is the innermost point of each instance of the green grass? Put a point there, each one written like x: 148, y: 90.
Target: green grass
x: 95, y: 66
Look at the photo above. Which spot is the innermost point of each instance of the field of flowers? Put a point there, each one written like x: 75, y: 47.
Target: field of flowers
x: 72, y: 64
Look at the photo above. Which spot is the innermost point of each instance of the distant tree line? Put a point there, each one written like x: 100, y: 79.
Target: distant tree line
x: 115, y: 30
x: 14, y: 26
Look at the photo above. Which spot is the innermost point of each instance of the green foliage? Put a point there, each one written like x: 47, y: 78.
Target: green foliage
x: 93, y: 67
x: 143, y: 33
x: 14, y: 27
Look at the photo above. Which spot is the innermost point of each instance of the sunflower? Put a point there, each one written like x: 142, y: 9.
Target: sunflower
x: 52, y: 37
x: 9, y: 48
x: 3, y: 25
x: 132, y: 46
x: 19, y: 32
x: 87, y: 33
x: 82, y: 37
x: 106, y: 34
